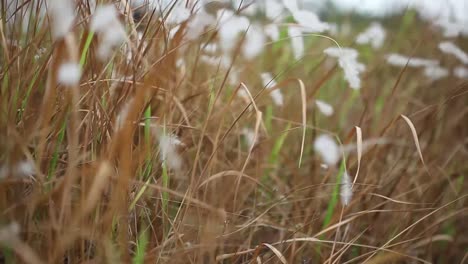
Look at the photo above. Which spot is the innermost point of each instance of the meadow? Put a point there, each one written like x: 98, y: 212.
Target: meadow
x: 230, y: 133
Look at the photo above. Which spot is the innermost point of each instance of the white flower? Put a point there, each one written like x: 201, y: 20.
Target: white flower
x: 210, y: 48
x: 273, y: 10
x: 168, y: 151
x: 254, y: 42
x: 230, y: 27
x: 69, y: 74
x: 272, y: 32
x: 198, y: 23
x: 277, y: 97
x: 400, y: 60
x: 269, y: 83
x: 435, y: 72
x: 309, y: 21
x: 347, y: 59
x: 9, y: 233
x: 324, y: 108
x: 106, y: 22
x: 178, y: 14
x: 249, y: 136
x: 24, y: 168
x: 327, y: 148
x: 62, y: 14
x: 450, y: 29
x: 450, y: 48
x: 291, y: 5
x: 374, y: 35
x: 297, y: 41
x: 346, y: 192
x: 461, y: 72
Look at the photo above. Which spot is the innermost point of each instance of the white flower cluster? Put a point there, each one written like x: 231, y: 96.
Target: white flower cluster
x: 346, y: 190
x: 21, y: 169
x: 231, y: 26
x: 306, y: 22
x: 69, y: 74
x: 347, y: 59
x: 297, y: 41
x: 309, y: 22
x: 415, y: 62
x: 432, y: 69
x: 105, y: 22
x: 450, y: 48
x: 62, y: 15
x: 435, y: 72
x: 451, y: 29
x: 328, y: 150
x: 249, y: 135
x: 461, y: 72
x: 324, y: 108
x: 168, y: 151
x: 374, y: 35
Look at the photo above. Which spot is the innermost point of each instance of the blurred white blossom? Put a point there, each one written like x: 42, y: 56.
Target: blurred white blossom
x: 346, y: 192
x: 249, y: 135
x: 461, y: 72
x: 325, y: 108
x: 373, y: 35
x: 198, y: 24
x: 210, y: 48
x: 105, y: 21
x: 25, y: 168
x: 274, y: 10
x: 327, y: 148
x: 230, y: 26
x: 401, y: 60
x: 69, y: 74
x: 347, y: 59
x: 168, y: 151
x: 291, y: 5
x: 297, y: 41
x: 254, y: 42
x: 450, y: 48
x: 272, y: 31
x: 449, y: 28
x: 21, y: 169
x: 310, y: 22
x: 435, y: 72
x: 62, y: 15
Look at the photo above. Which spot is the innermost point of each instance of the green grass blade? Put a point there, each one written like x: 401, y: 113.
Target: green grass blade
x: 53, y: 162
x: 89, y: 38
x: 141, y: 245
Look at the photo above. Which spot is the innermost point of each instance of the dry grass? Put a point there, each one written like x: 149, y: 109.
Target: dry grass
x: 100, y: 195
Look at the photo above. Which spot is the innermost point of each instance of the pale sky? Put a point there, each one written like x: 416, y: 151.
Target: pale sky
x: 456, y: 10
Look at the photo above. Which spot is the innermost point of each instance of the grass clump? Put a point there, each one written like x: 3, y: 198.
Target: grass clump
x: 169, y: 150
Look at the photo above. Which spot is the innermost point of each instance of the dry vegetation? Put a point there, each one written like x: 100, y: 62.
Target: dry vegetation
x: 99, y: 193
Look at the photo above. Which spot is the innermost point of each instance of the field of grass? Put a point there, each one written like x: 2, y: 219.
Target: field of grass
x: 157, y: 154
